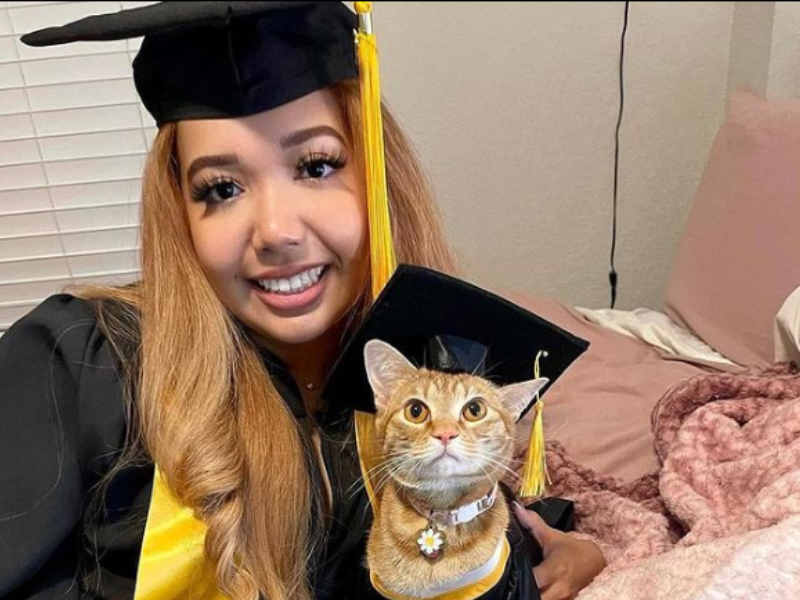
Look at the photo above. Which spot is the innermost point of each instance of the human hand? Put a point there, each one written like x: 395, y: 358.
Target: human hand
x: 569, y: 564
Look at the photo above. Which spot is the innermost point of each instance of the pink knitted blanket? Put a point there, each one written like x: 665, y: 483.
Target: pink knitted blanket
x: 721, y: 519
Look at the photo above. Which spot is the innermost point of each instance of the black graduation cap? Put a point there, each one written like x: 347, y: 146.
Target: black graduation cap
x: 204, y: 60
x: 444, y: 323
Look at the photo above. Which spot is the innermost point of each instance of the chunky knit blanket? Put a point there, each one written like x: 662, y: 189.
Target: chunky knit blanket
x: 721, y: 518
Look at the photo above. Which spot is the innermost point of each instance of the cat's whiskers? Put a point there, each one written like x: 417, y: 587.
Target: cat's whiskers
x: 402, y: 452
x: 385, y: 466
x: 394, y: 464
x: 474, y: 446
x: 397, y: 467
x: 378, y: 483
x: 418, y: 461
x: 412, y: 476
x: 403, y: 483
x: 383, y: 472
x: 491, y: 458
x: 485, y: 473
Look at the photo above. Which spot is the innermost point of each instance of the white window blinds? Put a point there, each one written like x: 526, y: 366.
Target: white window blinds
x: 73, y: 139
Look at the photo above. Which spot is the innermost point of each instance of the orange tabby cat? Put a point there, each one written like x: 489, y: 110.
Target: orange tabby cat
x: 447, y: 440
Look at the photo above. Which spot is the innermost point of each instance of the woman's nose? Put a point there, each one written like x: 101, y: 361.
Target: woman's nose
x: 278, y: 223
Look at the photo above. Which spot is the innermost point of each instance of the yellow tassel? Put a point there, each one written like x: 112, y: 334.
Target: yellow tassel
x: 535, y: 477
x: 381, y: 247
x: 382, y: 257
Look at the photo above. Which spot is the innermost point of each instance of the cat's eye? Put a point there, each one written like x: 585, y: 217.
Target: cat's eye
x: 475, y: 410
x: 416, y: 411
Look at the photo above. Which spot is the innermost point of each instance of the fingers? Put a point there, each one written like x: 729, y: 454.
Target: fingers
x: 557, y: 591
x: 545, y: 574
x: 569, y: 568
x: 533, y: 523
x: 553, y: 581
x: 557, y: 577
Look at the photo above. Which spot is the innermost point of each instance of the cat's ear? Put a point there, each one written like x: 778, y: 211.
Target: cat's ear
x: 518, y: 396
x: 385, y: 367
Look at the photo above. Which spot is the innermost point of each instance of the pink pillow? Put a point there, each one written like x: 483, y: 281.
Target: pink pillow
x: 739, y: 257
x: 599, y: 410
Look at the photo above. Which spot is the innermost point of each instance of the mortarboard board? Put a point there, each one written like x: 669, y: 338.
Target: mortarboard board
x: 202, y: 60
x: 447, y: 324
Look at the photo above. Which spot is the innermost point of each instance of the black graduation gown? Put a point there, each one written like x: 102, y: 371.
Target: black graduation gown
x: 62, y: 425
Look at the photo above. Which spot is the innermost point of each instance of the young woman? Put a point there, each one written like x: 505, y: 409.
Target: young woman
x: 255, y: 268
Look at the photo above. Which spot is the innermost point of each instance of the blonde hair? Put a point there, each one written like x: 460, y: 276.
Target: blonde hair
x: 211, y: 419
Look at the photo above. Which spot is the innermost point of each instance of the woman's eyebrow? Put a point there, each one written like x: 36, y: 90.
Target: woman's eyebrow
x: 303, y: 135
x: 217, y: 160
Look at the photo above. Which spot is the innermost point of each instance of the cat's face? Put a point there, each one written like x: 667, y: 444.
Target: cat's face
x: 439, y: 430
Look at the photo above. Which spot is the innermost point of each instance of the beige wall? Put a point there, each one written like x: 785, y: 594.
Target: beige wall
x: 784, y: 65
x: 513, y: 108
x: 751, y: 44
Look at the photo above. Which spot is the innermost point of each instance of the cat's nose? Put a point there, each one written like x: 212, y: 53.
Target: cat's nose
x: 445, y: 436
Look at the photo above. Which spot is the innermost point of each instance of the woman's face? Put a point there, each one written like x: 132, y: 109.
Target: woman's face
x: 277, y: 213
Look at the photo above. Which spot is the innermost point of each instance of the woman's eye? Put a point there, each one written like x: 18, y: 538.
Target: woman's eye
x: 318, y: 169
x: 318, y: 166
x: 216, y: 191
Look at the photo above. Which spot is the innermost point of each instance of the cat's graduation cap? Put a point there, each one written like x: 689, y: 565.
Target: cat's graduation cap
x: 447, y: 324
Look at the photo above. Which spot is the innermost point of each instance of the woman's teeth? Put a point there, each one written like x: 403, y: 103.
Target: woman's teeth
x: 292, y: 285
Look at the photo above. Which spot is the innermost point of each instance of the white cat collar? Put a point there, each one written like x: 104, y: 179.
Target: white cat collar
x: 463, y: 514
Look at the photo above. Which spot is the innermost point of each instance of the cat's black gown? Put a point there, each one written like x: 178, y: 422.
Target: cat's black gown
x: 62, y: 423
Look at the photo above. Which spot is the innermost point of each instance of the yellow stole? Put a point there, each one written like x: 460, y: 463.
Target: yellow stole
x: 172, y: 565
x: 469, y: 592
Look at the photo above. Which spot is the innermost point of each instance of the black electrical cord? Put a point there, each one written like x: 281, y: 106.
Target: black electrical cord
x: 612, y: 275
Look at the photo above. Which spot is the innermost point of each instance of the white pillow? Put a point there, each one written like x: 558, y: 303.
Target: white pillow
x: 787, y: 330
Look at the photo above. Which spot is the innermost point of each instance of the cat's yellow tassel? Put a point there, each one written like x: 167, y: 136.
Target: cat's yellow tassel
x: 382, y: 256
x: 535, y: 477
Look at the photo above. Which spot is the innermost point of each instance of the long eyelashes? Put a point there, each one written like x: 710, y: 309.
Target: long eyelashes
x: 316, y: 166
x: 215, y: 189
x: 312, y: 168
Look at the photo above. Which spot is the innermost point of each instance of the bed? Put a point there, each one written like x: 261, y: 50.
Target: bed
x: 677, y: 434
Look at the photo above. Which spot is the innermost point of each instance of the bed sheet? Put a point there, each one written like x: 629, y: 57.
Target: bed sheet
x: 658, y: 330
x: 600, y: 409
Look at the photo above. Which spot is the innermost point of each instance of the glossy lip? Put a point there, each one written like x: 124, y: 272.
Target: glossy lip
x: 278, y: 301
x: 287, y: 272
